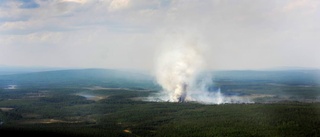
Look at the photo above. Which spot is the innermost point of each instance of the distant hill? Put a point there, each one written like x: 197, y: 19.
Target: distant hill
x: 292, y: 76
x: 7, y: 70
x: 81, y: 78
x: 138, y: 80
x: 290, y: 68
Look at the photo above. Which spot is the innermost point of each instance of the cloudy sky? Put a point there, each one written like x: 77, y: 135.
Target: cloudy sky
x: 238, y: 34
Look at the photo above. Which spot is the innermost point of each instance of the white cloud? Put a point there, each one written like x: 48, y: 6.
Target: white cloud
x: 124, y: 33
x: 308, y: 6
x: 76, y: 1
x: 118, y: 4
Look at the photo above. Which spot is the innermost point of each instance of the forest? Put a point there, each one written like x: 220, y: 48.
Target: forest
x: 98, y: 102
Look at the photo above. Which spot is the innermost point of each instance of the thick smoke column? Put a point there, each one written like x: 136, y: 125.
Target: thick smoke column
x: 177, y: 67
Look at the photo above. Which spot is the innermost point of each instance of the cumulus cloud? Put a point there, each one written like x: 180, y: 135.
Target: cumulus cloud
x: 76, y: 1
x: 240, y: 34
x: 308, y: 6
x: 118, y: 4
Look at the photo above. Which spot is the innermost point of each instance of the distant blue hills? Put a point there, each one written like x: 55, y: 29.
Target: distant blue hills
x: 80, y: 78
x: 45, y: 77
x: 6, y: 70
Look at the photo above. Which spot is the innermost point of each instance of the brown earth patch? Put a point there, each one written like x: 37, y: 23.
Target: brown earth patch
x: 6, y: 109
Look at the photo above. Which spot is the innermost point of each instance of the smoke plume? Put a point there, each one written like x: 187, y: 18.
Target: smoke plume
x: 180, y: 68
x: 176, y: 68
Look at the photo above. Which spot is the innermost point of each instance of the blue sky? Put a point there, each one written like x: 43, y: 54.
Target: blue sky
x: 235, y: 34
x: 28, y: 4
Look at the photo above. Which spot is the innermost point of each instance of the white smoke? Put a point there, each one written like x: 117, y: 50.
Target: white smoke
x: 177, y: 69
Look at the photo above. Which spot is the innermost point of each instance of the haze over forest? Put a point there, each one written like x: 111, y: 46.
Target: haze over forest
x: 130, y: 33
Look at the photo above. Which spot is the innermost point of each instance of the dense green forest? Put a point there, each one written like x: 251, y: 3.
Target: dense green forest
x: 97, y: 102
